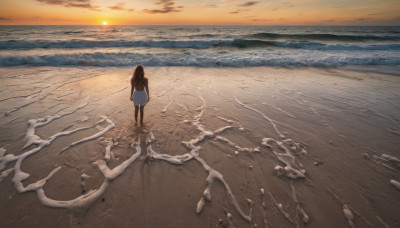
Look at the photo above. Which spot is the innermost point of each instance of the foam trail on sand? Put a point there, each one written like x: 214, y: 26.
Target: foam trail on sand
x: 299, y: 208
x: 262, y: 114
x: 349, y: 216
x: 280, y: 208
x: 20, y: 175
x: 9, y: 121
x: 59, y: 98
x: 396, y: 184
x: 32, y: 139
x: 348, y: 212
x: 119, y: 90
x: 5, y: 173
x: 6, y: 159
x: 172, y: 159
x: 92, y: 196
x: 390, y: 158
x: 212, y: 175
x: 287, y: 216
x: 30, y: 96
x: 2, y: 152
x: 277, y: 108
x: 230, y: 143
x: 285, y: 151
x: 292, y: 169
x: 164, y: 92
x: 376, y: 113
x: 16, y: 108
x: 107, y: 154
x: 200, y: 205
x: 323, y: 120
x: 95, y: 136
x: 109, y: 174
x: 170, y: 102
x: 230, y: 220
x: 264, y: 207
x: 81, y: 201
x: 224, y: 119
x: 194, y: 153
x: 377, y: 160
x: 50, y: 107
x: 382, y: 222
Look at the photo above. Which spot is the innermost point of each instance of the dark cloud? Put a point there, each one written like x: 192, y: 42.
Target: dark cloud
x: 85, y: 4
x: 167, y: 7
x: 6, y: 19
x: 363, y: 19
x: 120, y: 6
x: 247, y: 4
x: 239, y: 11
x: 211, y: 6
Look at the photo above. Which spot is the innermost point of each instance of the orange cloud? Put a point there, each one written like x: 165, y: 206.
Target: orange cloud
x: 167, y: 7
x: 120, y: 6
x: 71, y: 3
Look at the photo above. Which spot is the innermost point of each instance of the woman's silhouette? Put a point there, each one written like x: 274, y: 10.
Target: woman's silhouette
x: 139, y: 96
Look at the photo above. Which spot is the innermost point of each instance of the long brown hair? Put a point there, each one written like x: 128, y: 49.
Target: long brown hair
x: 138, y: 76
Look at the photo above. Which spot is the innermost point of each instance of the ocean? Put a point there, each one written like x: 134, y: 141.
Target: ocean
x: 203, y: 46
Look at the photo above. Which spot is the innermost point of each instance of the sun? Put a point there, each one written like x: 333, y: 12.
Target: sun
x: 104, y: 22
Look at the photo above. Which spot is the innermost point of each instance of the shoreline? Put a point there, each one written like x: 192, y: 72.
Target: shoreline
x: 377, y: 69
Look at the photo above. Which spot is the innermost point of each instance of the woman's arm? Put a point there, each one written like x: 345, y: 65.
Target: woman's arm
x: 147, y: 89
x: 131, y: 93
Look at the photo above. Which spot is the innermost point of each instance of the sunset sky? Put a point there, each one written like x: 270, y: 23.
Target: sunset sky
x: 202, y: 12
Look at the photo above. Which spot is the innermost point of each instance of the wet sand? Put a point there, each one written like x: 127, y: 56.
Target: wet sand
x: 220, y: 147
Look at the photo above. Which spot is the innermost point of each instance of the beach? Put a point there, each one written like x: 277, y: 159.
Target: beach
x: 220, y: 147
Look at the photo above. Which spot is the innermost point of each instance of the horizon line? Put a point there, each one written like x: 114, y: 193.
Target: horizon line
x: 302, y: 25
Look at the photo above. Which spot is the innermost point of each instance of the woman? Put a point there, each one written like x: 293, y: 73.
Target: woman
x: 139, y: 96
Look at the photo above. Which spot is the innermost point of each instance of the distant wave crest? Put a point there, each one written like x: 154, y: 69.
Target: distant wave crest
x: 224, y: 59
x: 194, y: 44
x: 20, y: 44
x: 325, y: 37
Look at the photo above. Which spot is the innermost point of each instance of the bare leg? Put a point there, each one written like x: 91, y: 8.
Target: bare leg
x: 141, y: 114
x: 136, y: 112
